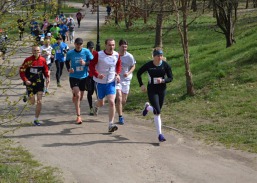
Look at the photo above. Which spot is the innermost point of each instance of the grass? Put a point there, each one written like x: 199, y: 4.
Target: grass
x: 224, y: 107
x: 17, y: 165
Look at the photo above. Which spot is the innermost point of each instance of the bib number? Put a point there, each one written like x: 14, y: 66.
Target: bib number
x: 79, y: 68
x: 33, y: 70
x: 155, y: 80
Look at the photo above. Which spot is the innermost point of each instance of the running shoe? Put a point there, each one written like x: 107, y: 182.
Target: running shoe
x: 161, y: 138
x: 91, y: 113
x: 95, y: 110
x: 36, y: 123
x: 47, y: 92
x: 24, y: 98
x: 79, y: 120
x: 145, y: 111
x: 59, y: 85
x: 121, y: 120
x: 112, y: 128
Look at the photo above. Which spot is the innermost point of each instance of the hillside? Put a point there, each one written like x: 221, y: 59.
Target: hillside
x: 224, y: 108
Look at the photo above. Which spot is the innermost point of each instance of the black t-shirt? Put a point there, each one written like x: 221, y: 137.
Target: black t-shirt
x: 161, y: 71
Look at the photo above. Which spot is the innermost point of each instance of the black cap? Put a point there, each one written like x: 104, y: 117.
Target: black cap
x: 90, y: 44
x: 78, y: 41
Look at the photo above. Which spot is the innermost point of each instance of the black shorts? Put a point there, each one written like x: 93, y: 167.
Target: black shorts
x: 35, y: 87
x: 49, y: 66
x: 90, y: 83
x: 81, y: 83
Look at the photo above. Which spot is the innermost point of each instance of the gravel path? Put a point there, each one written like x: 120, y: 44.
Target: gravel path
x: 88, y: 154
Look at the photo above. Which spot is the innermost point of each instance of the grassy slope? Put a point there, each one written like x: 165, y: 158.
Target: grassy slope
x: 224, y: 108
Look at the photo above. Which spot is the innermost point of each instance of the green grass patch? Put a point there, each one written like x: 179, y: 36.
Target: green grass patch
x: 17, y: 165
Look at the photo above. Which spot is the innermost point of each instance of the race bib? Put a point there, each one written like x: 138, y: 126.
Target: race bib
x: 155, y: 80
x: 79, y: 68
x: 58, y: 51
x: 33, y: 70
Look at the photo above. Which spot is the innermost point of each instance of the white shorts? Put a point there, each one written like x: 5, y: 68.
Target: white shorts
x: 123, y: 86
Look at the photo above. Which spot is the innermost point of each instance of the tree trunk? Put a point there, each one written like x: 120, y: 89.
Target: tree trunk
x: 125, y: 10
x: 116, y: 13
x: 254, y: 3
x: 158, y: 30
x: 226, y: 16
x: 184, y: 41
x: 203, y: 6
x: 194, y: 6
x: 189, y: 76
x: 59, y: 6
x: 230, y: 35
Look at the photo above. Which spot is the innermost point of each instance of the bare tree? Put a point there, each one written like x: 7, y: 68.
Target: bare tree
x: 225, y: 12
x: 183, y: 32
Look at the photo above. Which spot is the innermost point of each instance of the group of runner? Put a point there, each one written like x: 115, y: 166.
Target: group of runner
x: 106, y: 72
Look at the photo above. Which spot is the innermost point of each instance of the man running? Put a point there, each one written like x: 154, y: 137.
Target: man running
x: 105, y: 69
x: 77, y: 62
x: 60, y: 49
x: 46, y: 52
x: 90, y: 81
x: 123, y: 87
x: 32, y: 72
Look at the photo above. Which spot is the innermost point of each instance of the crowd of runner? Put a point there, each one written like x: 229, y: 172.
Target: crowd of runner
x: 108, y: 73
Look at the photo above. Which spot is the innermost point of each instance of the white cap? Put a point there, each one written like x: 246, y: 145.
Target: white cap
x: 48, y: 34
x: 55, y: 23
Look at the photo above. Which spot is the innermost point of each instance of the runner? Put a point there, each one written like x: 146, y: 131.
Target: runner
x: 105, y: 69
x: 46, y: 52
x: 79, y: 17
x: 159, y: 73
x: 61, y: 49
x: 122, y: 89
x: 32, y: 72
x: 77, y: 62
x: 71, y: 26
x: 90, y: 81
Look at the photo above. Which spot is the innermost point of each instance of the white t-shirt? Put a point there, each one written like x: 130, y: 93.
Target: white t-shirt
x: 46, y: 53
x: 127, y: 61
x: 106, y: 65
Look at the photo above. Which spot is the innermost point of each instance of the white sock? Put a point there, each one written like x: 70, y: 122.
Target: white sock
x: 35, y: 119
x: 150, y: 108
x: 158, y: 123
x: 110, y: 123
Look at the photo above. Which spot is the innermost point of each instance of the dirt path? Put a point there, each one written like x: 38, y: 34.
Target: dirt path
x: 88, y: 154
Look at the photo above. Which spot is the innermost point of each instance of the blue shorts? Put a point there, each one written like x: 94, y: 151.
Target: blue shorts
x: 105, y: 89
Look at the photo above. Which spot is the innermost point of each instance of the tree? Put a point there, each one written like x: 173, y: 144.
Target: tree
x: 225, y: 12
x: 10, y: 12
x: 183, y: 32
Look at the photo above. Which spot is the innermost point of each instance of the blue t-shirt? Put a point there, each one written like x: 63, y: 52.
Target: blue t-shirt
x: 64, y: 29
x: 59, y: 51
x: 80, y: 71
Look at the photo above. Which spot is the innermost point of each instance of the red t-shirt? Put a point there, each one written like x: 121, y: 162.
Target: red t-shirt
x: 33, y: 65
